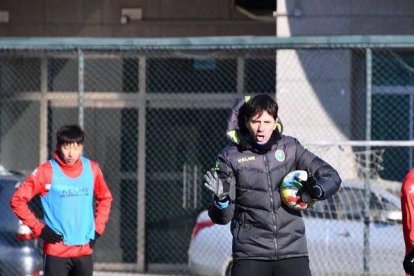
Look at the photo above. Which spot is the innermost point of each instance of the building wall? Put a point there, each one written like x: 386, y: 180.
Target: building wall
x: 206, y: 18
x: 332, y: 78
x: 344, y: 17
x: 160, y: 18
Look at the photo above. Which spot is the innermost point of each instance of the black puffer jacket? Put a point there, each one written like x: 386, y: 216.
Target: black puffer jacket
x: 262, y: 227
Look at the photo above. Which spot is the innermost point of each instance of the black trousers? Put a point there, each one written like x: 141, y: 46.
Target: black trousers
x: 287, y: 267
x: 57, y: 266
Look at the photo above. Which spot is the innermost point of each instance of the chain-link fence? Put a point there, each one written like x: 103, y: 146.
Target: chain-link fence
x: 155, y: 112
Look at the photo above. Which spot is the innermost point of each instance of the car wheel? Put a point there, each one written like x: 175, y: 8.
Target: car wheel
x: 228, y: 270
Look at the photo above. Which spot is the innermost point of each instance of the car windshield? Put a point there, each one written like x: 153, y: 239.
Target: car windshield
x: 349, y: 203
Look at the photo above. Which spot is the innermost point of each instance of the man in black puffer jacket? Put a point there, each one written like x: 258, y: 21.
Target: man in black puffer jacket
x: 268, y: 237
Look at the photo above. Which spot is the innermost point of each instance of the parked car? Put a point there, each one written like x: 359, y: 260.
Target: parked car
x: 335, y: 236
x: 17, y: 257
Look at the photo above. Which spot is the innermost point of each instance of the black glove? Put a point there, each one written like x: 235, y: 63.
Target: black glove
x: 408, y: 263
x: 214, y: 184
x: 92, y: 242
x: 311, y: 190
x: 50, y: 236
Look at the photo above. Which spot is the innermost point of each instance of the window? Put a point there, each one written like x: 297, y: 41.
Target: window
x: 392, y: 101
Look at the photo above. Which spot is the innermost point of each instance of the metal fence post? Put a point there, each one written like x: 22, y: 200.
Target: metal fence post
x: 141, y: 165
x: 81, y: 92
x: 240, y: 75
x: 367, y: 158
x: 43, y: 151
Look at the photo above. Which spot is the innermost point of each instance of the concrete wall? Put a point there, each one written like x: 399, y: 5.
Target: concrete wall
x: 160, y: 18
x: 344, y: 17
x: 312, y: 89
x: 198, y: 17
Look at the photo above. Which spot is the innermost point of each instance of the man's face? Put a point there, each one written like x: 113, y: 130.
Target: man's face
x: 70, y: 153
x: 261, y: 127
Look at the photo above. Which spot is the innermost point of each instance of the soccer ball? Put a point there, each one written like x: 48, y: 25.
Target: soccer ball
x: 290, y: 190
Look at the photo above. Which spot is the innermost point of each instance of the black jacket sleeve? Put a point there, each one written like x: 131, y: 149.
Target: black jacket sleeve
x: 326, y: 176
x: 225, y: 173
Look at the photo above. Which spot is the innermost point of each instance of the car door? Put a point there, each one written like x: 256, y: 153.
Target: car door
x: 334, y: 234
x: 383, y: 237
x: 348, y: 232
x: 344, y: 229
x: 386, y: 239
x: 317, y: 220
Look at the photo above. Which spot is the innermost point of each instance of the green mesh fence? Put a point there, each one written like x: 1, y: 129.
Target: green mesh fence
x: 155, y: 112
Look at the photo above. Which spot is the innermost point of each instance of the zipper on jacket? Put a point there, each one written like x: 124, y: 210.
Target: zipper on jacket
x: 266, y: 161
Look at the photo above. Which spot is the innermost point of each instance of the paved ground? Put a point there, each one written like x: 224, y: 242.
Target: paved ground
x: 100, y: 273
x: 105, y: 269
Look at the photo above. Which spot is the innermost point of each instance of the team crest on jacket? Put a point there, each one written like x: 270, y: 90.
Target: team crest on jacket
x: 280, y: 155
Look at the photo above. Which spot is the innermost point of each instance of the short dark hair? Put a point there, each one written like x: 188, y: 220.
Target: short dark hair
x: 258, y: 104
x: 69, y: 134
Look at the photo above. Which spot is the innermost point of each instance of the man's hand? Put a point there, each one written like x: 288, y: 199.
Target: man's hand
x: 311, y: 190
x: 214, y: 184
x: 50, y: 236
x: 408, y: 263
x: 92, y: 242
